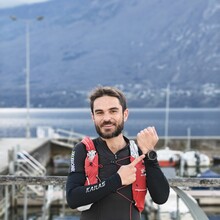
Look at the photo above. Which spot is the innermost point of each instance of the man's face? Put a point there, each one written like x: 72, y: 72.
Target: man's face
x: 108, y: 117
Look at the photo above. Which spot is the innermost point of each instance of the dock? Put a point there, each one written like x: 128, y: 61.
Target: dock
x: 206, y: 197
x: 28, y: 158
x: 28, y: 144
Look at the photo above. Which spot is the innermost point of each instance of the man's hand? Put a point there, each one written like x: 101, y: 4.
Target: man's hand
x: 147, y: 139
x: 128, y: 172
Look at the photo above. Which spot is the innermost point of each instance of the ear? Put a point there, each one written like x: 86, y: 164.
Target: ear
x: 126, y: 114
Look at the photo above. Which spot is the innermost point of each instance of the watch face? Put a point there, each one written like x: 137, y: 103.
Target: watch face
x: 152, y: 155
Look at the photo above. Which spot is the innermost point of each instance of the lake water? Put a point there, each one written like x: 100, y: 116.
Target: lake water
x: 201, y: 121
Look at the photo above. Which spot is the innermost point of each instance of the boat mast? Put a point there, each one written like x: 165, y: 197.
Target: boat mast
x: 188, y: 146
x: 167, y: 115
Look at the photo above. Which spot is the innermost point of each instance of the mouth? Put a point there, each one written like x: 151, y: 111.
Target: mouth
x: 108, y: 125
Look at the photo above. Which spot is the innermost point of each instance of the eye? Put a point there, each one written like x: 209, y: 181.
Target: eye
x: 114, y: 111
x: 99, y: 113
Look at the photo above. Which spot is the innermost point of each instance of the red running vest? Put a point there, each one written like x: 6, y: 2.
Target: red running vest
x: 139, y: 188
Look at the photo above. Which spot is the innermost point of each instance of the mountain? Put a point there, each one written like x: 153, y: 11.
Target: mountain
x: 137, y: 45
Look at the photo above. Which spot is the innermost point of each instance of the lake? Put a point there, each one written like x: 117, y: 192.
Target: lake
x: 200, y: 121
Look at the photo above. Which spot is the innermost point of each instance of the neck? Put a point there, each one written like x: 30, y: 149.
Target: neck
x: 115, y: 144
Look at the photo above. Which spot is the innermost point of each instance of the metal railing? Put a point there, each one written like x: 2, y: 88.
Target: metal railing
x: 11, y: 183
x: 29, y: 164
x: 61, y: 180
x: 176, y: 183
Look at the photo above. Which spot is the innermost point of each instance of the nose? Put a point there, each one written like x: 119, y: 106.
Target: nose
x: 106, y: 117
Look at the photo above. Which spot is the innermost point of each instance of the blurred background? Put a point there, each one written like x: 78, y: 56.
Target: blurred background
x: 163, y: 54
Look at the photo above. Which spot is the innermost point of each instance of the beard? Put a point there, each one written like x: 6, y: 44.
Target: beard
x: 107, y: 135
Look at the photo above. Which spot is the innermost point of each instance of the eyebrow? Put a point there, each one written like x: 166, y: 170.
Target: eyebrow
x: 110, y: 109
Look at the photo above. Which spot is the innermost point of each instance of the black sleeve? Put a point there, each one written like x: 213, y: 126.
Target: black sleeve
x: 157, y: 183
x: 76, y: 193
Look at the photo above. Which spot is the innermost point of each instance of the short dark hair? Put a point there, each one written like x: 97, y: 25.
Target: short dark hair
x: 107, y: 91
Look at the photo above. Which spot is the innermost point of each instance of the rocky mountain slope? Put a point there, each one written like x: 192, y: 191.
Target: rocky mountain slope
x: 138, y: 45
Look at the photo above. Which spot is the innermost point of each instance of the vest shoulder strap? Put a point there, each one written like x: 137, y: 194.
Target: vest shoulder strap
x: 133, y: 149
x: 87, y: 141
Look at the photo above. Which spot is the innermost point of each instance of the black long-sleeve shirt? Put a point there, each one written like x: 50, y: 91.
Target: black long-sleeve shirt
x: 110, y: 200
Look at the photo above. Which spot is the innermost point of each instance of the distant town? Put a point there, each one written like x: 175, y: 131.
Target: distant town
x: 138, y: 96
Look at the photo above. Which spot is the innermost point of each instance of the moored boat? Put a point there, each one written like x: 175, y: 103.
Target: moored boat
x: 168, y: 157
x: 195, y: 159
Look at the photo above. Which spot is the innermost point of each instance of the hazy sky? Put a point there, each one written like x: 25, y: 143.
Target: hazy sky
x: 13, y: 3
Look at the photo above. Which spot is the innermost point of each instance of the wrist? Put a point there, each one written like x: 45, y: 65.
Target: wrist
x: 151, y: 155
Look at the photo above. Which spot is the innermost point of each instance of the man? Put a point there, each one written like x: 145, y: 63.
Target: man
x: 110, y: 175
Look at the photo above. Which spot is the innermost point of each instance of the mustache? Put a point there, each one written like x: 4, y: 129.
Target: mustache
x: 107, y: 123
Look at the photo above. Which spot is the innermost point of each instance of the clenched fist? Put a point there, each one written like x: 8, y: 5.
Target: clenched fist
x: 147, y: 139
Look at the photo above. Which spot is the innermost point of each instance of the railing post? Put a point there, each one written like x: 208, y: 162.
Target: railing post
x: 63, y: 201
x: 44, y: 205
x: 6, y: 202
x: 12, y: 158
x: 158, y: 213
x: 25, y: 203
x: 177, y: 207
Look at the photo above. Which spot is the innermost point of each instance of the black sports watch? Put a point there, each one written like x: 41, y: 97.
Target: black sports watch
x: 151, y: 155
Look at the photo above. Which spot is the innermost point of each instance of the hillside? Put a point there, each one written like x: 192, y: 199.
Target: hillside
x: 138, y: 45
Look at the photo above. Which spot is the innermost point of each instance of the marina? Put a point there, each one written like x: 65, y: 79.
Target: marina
x: 47, y: 193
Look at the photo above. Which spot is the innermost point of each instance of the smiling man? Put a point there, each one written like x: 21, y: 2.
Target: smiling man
x: 110, y: 175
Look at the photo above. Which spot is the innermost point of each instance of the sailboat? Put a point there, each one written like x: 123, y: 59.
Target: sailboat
x: 171, y: 158
x: 166, y: 156
x: 194, y: 158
